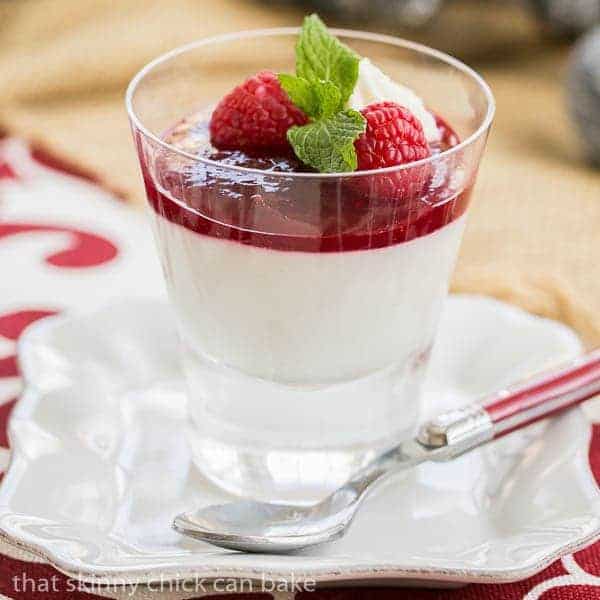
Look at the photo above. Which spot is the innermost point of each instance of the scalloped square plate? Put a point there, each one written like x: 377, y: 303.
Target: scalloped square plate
x: 100, y: 464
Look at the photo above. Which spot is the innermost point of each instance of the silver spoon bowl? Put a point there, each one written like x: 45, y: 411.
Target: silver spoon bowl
x: 278, y: 528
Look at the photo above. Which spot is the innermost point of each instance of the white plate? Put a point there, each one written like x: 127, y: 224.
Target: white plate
x: 100, y: 464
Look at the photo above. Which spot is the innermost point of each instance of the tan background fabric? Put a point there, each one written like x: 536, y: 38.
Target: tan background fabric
x: 534, y: 231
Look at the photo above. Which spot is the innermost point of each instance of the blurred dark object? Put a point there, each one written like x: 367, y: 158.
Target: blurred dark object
x: 469, y: 29
x: 567, y: 17
x: 584, y: 92
x: 394, y: 13
x: 560, y: 18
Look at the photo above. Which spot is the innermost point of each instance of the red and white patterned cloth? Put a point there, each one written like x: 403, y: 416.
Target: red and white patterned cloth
x: 67, y: 243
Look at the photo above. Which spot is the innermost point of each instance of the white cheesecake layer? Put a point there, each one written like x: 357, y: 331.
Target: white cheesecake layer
x: 307, y: 318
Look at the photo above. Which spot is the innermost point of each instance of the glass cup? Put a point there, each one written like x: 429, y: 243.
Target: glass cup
x: 307, y: 304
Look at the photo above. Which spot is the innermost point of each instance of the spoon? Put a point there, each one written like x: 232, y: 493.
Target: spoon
x: 252, y: 526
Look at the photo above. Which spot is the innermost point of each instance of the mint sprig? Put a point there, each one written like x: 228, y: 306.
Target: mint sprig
x: 326, y: 73
x: 320, y: 99
x: 328, y: 144
x: 320, y: 56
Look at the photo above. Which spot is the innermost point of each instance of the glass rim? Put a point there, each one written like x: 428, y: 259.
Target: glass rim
x: 280, y: 31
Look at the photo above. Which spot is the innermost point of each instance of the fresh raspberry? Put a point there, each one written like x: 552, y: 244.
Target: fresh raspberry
x: 393, y: 136
x: 255, y: 116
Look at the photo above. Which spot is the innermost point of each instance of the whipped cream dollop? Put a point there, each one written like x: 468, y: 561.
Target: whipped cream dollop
x: 373, y: 85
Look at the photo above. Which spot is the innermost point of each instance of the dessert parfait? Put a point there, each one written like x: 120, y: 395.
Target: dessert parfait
x: 308, y: 221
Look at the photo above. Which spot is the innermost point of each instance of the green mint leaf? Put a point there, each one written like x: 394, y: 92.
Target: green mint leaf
x: 326, y: 73
x: 301, y: 93
x: 329, y: 99
x: 317, y: 100
x: 320, y: 56
x: 327, y: 145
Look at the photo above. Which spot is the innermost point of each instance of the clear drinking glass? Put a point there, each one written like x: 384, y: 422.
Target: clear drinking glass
x: 307, y: 304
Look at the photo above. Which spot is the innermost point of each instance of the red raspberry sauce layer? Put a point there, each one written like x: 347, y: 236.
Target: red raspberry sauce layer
x: 270, y: 210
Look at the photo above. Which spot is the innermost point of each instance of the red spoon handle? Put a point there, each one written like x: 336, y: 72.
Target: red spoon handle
x: 544, y: 395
